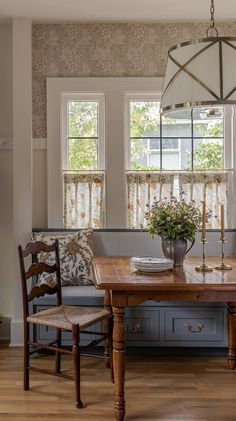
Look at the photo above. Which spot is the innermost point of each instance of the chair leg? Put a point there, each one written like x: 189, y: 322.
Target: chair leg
x: 58, y: 354
x: 105, y: 328
x: 26, y: 356
x: 76, y: 358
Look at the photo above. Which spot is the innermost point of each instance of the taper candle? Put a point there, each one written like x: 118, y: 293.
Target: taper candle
x: 222, y: 217
x: 203, y: 220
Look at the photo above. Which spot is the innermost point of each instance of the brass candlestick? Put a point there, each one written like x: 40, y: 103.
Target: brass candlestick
x: 223, y: 265
x: 203, y: 267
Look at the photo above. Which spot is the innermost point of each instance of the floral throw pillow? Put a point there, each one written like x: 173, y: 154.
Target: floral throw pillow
x: 76, y: 254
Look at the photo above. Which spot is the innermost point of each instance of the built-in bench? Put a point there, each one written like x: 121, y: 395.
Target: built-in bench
x: 151, y: 324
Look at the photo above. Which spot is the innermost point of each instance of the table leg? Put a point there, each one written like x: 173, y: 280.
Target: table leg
x: 118, y: 308
x: 106, y: 326
x: 231, y: 319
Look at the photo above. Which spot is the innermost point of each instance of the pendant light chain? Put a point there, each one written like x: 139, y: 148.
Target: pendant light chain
x: 211, y: 30
x: 212, y: 11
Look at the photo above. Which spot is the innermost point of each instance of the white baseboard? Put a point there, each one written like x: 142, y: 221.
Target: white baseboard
x: 17, y: 333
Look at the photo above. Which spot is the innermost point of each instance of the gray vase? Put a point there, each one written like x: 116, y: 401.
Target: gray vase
x: 175, y: 250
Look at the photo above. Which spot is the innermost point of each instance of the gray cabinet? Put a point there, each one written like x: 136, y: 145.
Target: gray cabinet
x: 160, y: 324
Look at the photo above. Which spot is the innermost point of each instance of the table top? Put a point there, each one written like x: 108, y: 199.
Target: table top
x: 117, y: 273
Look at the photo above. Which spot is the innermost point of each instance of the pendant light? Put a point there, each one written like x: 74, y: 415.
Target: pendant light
x: 201, y: 72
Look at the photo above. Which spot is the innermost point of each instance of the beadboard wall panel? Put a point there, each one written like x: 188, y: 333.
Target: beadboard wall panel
x: 141, y: 244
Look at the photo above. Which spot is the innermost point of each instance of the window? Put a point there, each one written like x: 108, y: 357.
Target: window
x: 83, y: 160
x: 182, y: 151
x: 160, y: 158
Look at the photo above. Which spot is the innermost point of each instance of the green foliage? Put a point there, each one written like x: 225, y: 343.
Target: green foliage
x: 215, y: 129
x: 208, y: 156
x: 174, y: 219
x: 144, y: 119
x: 82, y: 154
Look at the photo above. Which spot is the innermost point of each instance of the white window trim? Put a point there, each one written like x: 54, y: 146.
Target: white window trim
x: 115, y: 90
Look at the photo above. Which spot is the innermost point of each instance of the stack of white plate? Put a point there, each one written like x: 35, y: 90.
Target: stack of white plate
x: 151, y: 264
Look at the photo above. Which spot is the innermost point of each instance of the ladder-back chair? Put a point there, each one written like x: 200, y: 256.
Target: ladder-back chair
x: 61, y: 317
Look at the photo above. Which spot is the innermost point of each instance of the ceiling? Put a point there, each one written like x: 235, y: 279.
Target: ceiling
x: 115, y: 10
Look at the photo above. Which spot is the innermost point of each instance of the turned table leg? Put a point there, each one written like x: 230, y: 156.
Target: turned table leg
x: 106, y: 326
x: 118, y: 308
x: 231, y: 319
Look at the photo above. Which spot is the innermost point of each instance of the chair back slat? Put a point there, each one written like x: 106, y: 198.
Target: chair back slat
x: 36, y: 269
x: 35, y: 247
x: 40, y: 290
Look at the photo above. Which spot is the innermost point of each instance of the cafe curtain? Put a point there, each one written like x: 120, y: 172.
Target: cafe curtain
x: 83, y: 199
x: 143, y: 189
x: 212, y: 187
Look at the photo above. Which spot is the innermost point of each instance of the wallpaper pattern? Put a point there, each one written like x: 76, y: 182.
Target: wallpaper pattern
x: 101, y: 49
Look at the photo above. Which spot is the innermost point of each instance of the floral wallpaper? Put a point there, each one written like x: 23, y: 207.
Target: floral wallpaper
x: 104, y: 49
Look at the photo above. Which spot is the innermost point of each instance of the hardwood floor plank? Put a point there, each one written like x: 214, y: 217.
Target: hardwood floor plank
x: 157, y: 389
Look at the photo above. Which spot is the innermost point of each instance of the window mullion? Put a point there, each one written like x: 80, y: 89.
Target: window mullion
x: 161, y: 142
x: 192, y: 142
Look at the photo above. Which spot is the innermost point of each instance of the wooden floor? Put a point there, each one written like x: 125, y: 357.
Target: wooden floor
x: 157, y: 388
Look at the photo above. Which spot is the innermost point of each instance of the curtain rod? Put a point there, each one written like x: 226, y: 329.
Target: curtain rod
x: 82, y: 171
x: 181, y: 171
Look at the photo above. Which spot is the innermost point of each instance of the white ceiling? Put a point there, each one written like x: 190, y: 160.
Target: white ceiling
x: 115, y: 10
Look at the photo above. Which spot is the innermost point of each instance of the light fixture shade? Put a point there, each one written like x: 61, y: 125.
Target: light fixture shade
x: 200, y: 72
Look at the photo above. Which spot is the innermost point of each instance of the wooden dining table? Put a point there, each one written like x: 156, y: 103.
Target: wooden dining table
x: 128, y: 287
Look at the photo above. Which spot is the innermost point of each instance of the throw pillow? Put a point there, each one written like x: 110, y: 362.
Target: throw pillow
x: 76, y: 253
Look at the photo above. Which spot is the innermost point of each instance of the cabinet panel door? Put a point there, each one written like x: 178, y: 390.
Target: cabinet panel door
x: 195, y: 325
x: 142, y: 324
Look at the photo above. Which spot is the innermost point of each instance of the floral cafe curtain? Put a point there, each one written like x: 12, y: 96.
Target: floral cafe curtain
x: 212, y: 187
x: 83, y: 199
x: 143, y: 189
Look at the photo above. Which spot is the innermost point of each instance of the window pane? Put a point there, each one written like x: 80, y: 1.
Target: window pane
x: 144, y: 118
x: 177, y: 123
x: 83, y: 118
x: 208, y: 154
x: 176, y: 158
x: 170, y: 144
x: 154, y: 143
x: 208, y: 122
x: 142, y: 155
x: 82, y: 154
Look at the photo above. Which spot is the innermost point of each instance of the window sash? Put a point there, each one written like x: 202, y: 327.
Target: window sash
x: 191, y: 136
x: 80, y: 96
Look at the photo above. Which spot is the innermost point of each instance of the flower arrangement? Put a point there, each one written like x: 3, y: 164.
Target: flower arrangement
x: 174, y: 219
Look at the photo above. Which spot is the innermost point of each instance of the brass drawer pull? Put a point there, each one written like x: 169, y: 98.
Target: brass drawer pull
x: 132, y: 329
x: 200, y: 327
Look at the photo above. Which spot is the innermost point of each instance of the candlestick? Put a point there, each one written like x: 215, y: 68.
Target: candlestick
x: 203, y: 267
x: 223, y: 265
x: 222, y: 218
x: 203, y: 221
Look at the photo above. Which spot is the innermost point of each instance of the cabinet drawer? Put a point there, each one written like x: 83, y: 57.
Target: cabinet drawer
x: 195, y: 325
x: 142, y: 324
